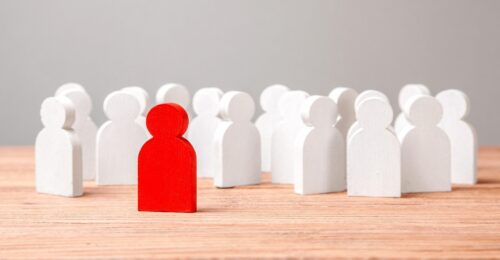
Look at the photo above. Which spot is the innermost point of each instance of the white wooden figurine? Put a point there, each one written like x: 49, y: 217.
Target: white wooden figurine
x: 369, y: 94
x: 359, y: 99
x: 373, y: 152
x: 202, y: 129
x: 173, y: 93
x: 85, y: 129
x: 143, y: 98
x: 320, y: 162
x: 345, y: 98
x: 268, y: 120
x: 284, y: 135
x: 58, y: 156
x: 463, y: 139
x: 425, y: 148
x: 119, y: 140
x: 406, y: 93
x: 237, y: 143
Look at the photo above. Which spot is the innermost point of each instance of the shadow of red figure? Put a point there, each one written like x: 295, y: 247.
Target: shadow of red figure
x: 167, y: 163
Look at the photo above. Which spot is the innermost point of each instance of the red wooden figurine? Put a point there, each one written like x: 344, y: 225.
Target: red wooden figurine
x: 167, y: 163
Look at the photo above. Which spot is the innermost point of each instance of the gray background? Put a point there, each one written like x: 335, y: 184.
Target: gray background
x: 245, y: 45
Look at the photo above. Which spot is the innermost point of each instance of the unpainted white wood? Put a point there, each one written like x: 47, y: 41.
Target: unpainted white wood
x: 58, y: 156
x: 345, y: 99
x: 202, y: 129
x: 237, y: 143
x: 370, y: 93
x: 320, y: 163
x: 173, y: 93
x: 69, y: 86
x: 359, y: 99
x: 267, y: 122
x: 463, y: 137
x: 406, y: 93
x: 119, y: 140
x: 373, y: 152
x: 284, y: 135
x: 425, y: 148
x: 85, y: 129
x: 143, y: 98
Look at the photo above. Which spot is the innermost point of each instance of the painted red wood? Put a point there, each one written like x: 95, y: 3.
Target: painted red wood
x: 167, y: 163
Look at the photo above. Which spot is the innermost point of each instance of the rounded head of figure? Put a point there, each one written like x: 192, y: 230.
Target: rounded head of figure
x: 270, y: 97
x: 456, y: 104
x: 206, y: 101
x: 423, y: 111
x: 167, y: 120
x: 80, y: 99
x: 319, y: 112
x: 411, y: 90
x: 289, y: 104
x: 141, y: 95
x: 374, y: 113
x: 369, y: 94
x: 345, y: 99
x: 236, y: 106
x: 173, y: 93
x: 57, y: 112
x: 121, y: 106
x: 69, y: 86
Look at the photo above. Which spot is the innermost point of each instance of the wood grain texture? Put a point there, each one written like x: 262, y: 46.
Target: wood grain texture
x: 254, y: 221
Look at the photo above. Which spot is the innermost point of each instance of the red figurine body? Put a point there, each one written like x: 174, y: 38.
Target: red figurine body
x: 167, y: 163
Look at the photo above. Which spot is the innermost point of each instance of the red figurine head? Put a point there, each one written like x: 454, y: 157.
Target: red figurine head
x: 167, y: 120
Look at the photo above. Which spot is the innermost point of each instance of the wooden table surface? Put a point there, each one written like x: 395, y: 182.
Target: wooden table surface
x: 257, y: 221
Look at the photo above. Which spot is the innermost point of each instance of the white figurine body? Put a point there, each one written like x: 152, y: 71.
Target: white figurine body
x: 373, y: 152
x: 202, y: 129
x: 84, y: 127
x: 284, y: 135
x: 267, y: 122
x: 119, y: 140
x: 425, y: 148
x: 463, y: 139
x: 320, y: 149
x: 58, y: 157
x: 237, y: 143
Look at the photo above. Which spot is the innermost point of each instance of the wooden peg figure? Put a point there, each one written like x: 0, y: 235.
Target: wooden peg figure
x: 237, y: 143
x: 173, y: 93
x: 344, y: 98
x: 359, y: 100
x: 284, y: 135
x: 143, y: 98
x: 406, y: 93
x: 84, y: 127
x: 425, y: 148
x: 269, y: 120
x: 320, y: 149
x: 58, y: 156
x: 373, y: 152
x: 167, y: 163
x: 119, y: 140
x: 463, y: 138
x: 202, y: 129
